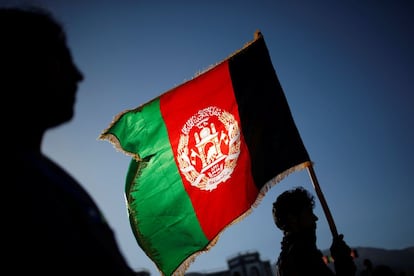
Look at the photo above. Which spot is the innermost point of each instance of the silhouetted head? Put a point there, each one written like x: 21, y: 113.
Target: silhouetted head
x: 37, y: 74
x: 293, y: 211
x: 383, y: 270
x: 368, y: 264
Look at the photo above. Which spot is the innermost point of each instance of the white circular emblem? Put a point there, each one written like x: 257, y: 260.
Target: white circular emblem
x: 208, y: 148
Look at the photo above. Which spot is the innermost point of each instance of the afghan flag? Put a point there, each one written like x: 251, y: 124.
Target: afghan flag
x: 204, y: 154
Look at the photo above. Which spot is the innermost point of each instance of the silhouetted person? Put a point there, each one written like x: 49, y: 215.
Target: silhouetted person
x: 383, y: 270
x: 50, y: 225
x: 368, y: 267
x: 299, y: 256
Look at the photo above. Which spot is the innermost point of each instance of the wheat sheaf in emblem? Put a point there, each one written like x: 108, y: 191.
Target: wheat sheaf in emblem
x: 208, y: 148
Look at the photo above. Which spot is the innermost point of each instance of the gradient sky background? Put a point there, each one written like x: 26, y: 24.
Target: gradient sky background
x: 347, y: 69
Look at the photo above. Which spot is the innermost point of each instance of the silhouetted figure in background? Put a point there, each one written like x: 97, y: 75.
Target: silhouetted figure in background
x: 382, y: 270
x: 299, y: 256
x: 368, y: 267
x: 51, y: 226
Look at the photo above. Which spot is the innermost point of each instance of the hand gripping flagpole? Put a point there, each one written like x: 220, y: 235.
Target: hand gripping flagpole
x: 323, y: 201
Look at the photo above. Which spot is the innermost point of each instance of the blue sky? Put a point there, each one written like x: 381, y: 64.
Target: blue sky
x: 347, y: 69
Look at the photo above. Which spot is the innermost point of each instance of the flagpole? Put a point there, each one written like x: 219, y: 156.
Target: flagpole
x: 322, y: 200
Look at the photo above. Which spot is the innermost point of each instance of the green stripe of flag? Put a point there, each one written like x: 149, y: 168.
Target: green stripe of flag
x: 179, y: 234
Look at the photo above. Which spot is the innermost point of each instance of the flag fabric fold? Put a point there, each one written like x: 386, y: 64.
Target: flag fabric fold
x: 204, y: 154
